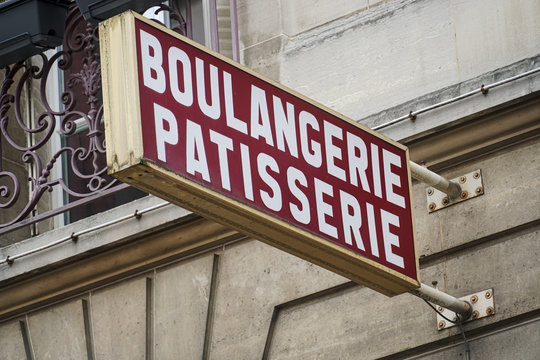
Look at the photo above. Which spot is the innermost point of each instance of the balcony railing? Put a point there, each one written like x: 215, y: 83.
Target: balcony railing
x: 55, y: 143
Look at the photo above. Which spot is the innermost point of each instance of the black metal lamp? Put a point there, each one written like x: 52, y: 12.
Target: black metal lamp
x: 28, y: 27
x: 98, y: 10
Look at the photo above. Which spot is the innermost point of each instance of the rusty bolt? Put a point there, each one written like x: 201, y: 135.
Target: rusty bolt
x: 464, y: 194
x: 441, y: 324
x: 462, y: 179
x: 476, y: 175
x: 490, y: 311
x: 488, y: 294
x: 474, y: 299
x: 445, y: 201
x: 479, y: 190
x: 440, y: 309
x: 432, y: 206
x: 430, y: 191
x: 475, y: 314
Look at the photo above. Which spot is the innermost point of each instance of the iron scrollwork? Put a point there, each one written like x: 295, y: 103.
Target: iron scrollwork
x: 80, y: 112
x: 71, y: 119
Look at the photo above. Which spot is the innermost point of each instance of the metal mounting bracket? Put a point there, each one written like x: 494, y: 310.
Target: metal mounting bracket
x: 483, y: 305
x: 471, y: 186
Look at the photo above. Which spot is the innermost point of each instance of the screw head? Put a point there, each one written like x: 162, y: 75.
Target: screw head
x: 475, y: 314
x: 432, y: 206
x: 441, y: 324
x: 462, y: 179
x: 488, y: 294
x: 440, y: 309
x: 464, y: 194
x: 490, y: 311
x: 476, y: 175
x: 430, y: 191
x: 445, y: 201
x: 479, y: 190
x: 474, y: 299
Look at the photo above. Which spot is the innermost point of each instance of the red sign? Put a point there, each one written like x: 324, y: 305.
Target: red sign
x: 220, y: 126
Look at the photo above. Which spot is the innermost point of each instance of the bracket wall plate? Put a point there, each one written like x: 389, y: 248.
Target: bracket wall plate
x: 483, y: 305
x: 471, y: 187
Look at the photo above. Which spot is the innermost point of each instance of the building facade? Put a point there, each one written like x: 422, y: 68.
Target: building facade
x: 91, y: 269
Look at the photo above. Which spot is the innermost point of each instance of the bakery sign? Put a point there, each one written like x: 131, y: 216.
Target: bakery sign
x: 197, y: 129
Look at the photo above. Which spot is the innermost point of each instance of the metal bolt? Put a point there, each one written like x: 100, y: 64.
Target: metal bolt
x: 476, y: 175
x: 488, y: 294
x: 490, y: 311
x: 474, y: 299
x: 440, y: 309
x: 462, y: 179
x: 445, y: 201
x: 430, y: 191
x: 464, y: 194
x: 479, y: 190
x: 475, y: 314
x: 441, y: 324
x: 432, y: 206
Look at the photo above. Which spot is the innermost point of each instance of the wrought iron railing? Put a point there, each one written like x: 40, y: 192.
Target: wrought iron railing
x: 30, y: 126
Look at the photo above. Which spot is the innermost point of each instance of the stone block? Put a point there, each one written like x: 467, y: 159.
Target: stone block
x: 181, y: 306
x: 58, y: 332
x: 513, y: 343
x: 253, y: 278
x: 355, y: 324
x: 301, y: 15
x: 374, y: 59
x: 512, y: 189
x: 260, y: 21
x: 119, y: 320
x: 492, y: 34
x: 11, y: 341
x: 264, y: 57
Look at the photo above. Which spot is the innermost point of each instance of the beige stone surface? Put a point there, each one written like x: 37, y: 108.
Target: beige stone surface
x: 491, y: 34
x: 66, y: 340
x: 181, y: 305
x: 253, y: 278
x: 301, y: 15
x: 119, y: 320
x: 512, y: 188
x: 375, y: 59
x: 11, y: 341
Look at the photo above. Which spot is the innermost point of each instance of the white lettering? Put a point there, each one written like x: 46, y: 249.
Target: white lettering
x: 259, y: 110
x: 390, y: 239
x: 375, y: 170
x: 213, y: 111
x: 372, y: 230
x: 273, y: 202
x: 391, y: 179
x: 324, y: 208
x: 285, y: 126
x: 153, y: 74
x: 162, y: 115
x: 333, y: 151
x: 195, y: 153
x: 224, y: 143
x: 246, y: 171
x: 179, y: 56
x: 301, y: 215
x: 232, y: 121
x: 313, y: 158
x: 358, y: 164
x: 351, y: 222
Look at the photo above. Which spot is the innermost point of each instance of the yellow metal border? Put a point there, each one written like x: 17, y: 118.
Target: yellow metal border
x: 125, y: 162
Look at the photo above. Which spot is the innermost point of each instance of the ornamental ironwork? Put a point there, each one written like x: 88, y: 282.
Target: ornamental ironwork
x: 77, y: 121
